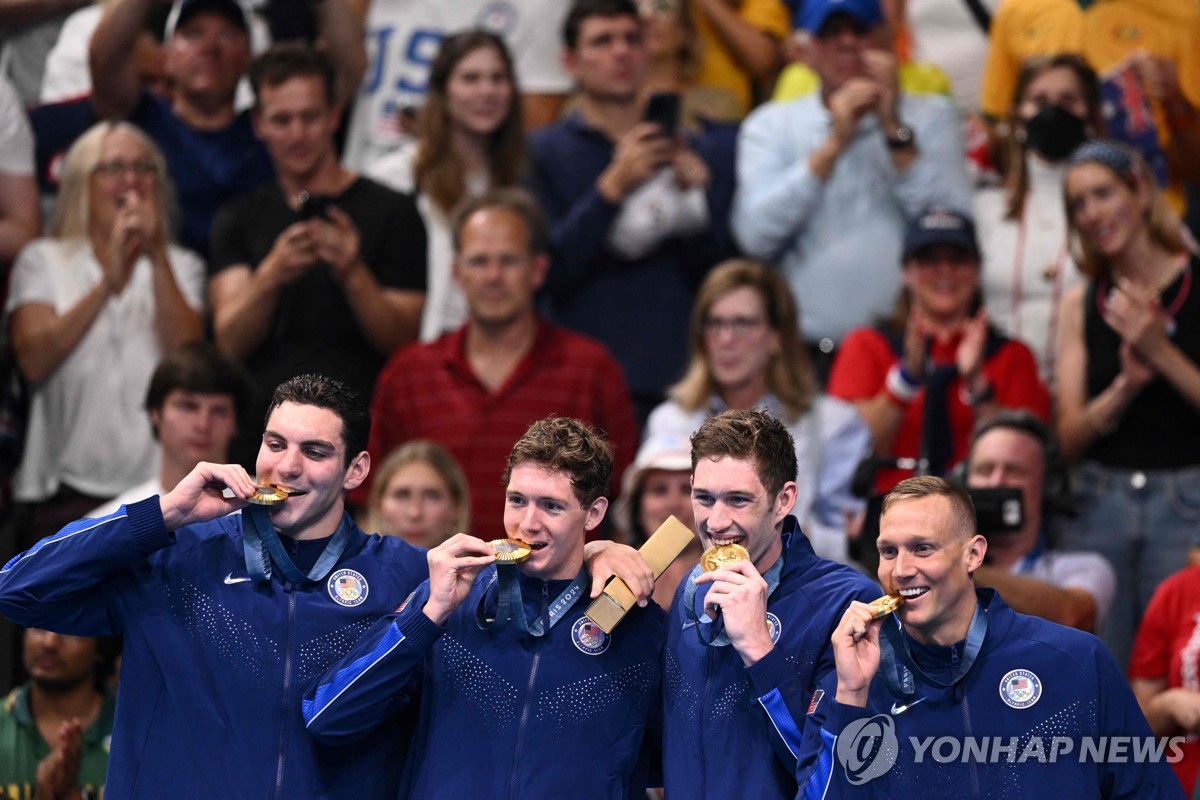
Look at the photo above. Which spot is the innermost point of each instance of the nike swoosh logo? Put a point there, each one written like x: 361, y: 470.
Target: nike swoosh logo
x: 688, y: 624
x: 230, y: 580
x: 901, y: 709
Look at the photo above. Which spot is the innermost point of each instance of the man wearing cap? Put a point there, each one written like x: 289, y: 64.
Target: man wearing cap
x: 211, y: 151
x: 924, y: 376
x: 827, y: 183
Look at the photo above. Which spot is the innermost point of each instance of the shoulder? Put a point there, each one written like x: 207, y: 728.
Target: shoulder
x: 835, y: 412
x: 395, y: 169
x: 1073, y: 649
x: 928, y: 107
x: 671, y: 418
x: 866, y: 339
x: 415, y: 361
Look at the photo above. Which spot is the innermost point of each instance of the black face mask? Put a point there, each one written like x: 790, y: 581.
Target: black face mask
x: 1054, y: 132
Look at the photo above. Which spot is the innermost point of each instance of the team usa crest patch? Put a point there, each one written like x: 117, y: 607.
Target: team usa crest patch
x: 347, y: 587
x: 589, y: 638
x: 774, y: 627
x: 1020, y: 688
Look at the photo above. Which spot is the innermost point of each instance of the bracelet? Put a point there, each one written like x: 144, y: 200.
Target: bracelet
x: 899, y: 386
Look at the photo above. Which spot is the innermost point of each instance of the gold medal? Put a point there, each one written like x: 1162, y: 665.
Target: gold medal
x: 722, y: 555
x: 885, y: 605
x: 510, y: 551
x: 268, y: 495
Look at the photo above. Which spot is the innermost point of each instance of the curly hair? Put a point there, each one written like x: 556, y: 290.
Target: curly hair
x: 562, y: 444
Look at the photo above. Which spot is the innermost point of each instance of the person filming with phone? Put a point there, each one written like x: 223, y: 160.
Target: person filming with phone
x: 1015, y: 450
x: 321, y: 270
x: 638, y: 208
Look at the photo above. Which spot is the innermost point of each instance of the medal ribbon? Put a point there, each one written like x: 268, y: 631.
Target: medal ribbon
x: 898, y: 665
x: 510, y: 608
x: 712, y: 631
x: 262, y: 547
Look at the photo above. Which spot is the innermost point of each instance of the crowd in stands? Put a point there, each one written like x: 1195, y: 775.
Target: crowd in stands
x: 929, y: 236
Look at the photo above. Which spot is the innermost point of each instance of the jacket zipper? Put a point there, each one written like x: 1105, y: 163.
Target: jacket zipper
x: 514, y: 778
x: 284, y: 704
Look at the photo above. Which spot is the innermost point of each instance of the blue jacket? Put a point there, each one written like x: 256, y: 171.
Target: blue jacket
x: 734, y: 731
x: 214, y: 663
x: 504, y: 714
x: 1032, y: 695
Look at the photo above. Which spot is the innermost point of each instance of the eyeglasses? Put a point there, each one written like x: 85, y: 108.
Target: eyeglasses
x: 739, y: 326
x: 141, y: 168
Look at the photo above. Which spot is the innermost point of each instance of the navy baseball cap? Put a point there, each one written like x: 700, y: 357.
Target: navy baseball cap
x: 183, y: 10
x: 940, y: 225
x: 814, y: 12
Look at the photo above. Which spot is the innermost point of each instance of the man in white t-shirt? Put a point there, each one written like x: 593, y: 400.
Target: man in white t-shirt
x: 403, y: 36
x: 1070, y: 588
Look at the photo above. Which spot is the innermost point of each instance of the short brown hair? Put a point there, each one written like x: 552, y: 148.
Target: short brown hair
x: 961, y: 508
x: 515, y: 201
x: 280, y: 63
x: 752, y: 435
x: 561, y: 444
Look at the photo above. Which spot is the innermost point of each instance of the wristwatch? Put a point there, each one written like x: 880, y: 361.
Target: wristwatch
x: 902, y: 138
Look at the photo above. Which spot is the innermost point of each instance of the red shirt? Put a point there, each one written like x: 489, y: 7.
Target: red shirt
x: 428, y: 391
x: 862, y: 365
x: 1168, y: 648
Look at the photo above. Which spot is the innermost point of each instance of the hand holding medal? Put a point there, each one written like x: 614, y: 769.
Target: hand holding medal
x: 453, y: 566
x: 739, y: 595
x: 855, y: 644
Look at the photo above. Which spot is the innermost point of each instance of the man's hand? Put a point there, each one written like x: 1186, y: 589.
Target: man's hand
x: 641, y: 152
x: 851, y: 102
x: 604, y: 560
x: 200, y: 496
x: 293, y: 254
x: 336, y: 241
x: 690, y: 169
x: 855, y: 644
x: 58, y: 773
x: 453, y: 566
x: 881, y: 67
x: 740, y: 594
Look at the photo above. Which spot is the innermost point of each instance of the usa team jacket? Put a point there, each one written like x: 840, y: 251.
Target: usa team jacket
x: 503, y: 714
x: 734, y: 731
x: 1015, y: 727
x: 214, y: 663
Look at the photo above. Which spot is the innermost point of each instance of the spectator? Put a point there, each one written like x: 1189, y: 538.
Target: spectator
x: 1022, y: 225
x: 476, y: 390
x: 473, y: 140
x: 30, y: 31
x: 55, y: 729
x: 1128, y: 380
x: 637, y: 217
x: 320, y: 243
x: 466, y: 641
x: 859, y: 156
x: 926, y: 375
x: 20, y: 215
x: 403, y: 40
x: 93, y: 308
x: 211, y: 148
x: 951, y: 34
x: 736, y: 689
x: 195, y: 400
x: 1074, y: 588
x: 740, y: 45
x: 1148, y: 55
x: 747, y: 353
x: 1163, y: 670
x: 674, y: 53
x: 420, y: 494
x: 659, y: 485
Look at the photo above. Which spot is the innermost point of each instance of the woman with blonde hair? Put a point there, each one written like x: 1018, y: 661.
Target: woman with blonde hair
x: 471, y: 140
x: 1129, y: 380
x: 419, y: 495
x: 747, y: 353
x: 92, y: 309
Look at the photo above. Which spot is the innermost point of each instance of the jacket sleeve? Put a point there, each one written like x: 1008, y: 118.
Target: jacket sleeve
x: 783, y: 700
x: 68, y: 582
x: 380, y: 675
x: 777, y: 192
x: 819, y: 773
